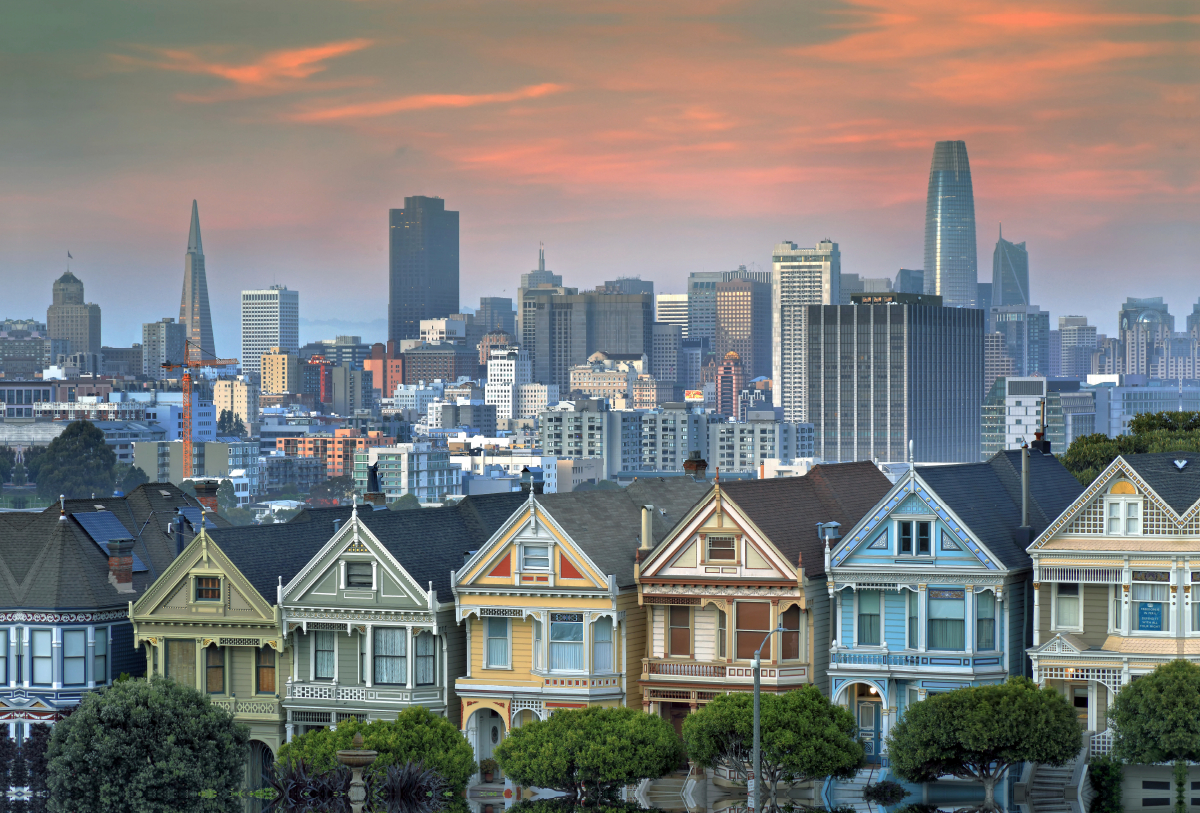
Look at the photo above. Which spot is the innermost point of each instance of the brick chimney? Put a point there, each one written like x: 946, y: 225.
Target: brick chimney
x: 120, y: 564
x: 695, y: 465
x: 206, y: 494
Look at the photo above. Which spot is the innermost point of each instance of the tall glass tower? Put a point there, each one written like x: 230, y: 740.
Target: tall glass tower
x: 951, y: 262
x: 1010, y: 274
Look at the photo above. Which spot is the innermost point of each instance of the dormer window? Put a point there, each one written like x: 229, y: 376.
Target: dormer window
x: 1123, y: 510
x: 721, y: 548
x: 916, y: 538
x: 208, y: 588
x: 535, y: 557
x: 359, y: 574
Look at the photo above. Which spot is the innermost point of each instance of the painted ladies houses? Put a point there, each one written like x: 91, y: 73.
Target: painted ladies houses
x: 371, y: 616
x: 1117, y: 581
x: 549, y: 605
x: 931, y: 585
x: 747, y: 557
x: 67, y: 575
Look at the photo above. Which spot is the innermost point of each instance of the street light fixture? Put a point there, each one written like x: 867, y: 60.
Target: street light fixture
x: 753, y: 797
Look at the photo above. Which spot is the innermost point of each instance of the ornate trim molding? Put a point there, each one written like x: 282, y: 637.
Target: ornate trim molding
x: 19, y: 616
x: 360, y: 616
x: 733, y: 591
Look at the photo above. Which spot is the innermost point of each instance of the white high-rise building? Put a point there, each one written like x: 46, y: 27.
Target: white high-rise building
x: 270, y: 318
x: 799, y: 277
x: 672, y: 309
x: 507, y: 369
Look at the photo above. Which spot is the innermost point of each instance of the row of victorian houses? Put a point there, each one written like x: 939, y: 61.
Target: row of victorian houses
x: 501, y: 609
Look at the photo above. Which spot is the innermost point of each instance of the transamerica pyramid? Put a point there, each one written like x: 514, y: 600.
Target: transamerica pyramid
x: 193, y: 307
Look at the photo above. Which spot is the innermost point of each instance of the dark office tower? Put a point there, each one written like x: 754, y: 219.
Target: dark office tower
x: 69, y: 319
x: 1010, y: 274
x: 951, y: 263
x: 496, y: 313
x: 983, y: 299
x: 423, y: 265
x: 909, y: 281
x: 744, y: 325
x: 193, y: 305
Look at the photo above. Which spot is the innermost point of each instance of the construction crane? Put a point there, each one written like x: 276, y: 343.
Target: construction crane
x: 193, y: 362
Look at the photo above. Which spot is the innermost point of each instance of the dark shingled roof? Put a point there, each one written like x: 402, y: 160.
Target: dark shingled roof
x: 427, y: 542
x: 787, y: 509
x: 987, y: 498
x: 52, y: 564
x: 607, y: 525
x: 1180, y: 488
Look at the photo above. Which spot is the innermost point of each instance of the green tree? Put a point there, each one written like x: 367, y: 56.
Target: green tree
x: 77, y: 463
x: 188, y: 487
x: 1156, y: 718
x: 19, y: 477
x: 149, y: 746
x: 803, y: 736
x: 238, y: 516
x: 590, y: 753
x: 129, y: 477
x: 33, y: 459
x: 333, y: 491
x: 417, y: 734
x: 980, y: 732
x: 229, y: 423
x: 406, y: 501
x: 1149, y: 432
x: 8, y: 459
x: 226, y: 496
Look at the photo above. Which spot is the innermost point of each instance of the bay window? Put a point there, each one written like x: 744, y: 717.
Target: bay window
x: 722, y: 633
x: 1066, y: 606
x: 324, y: 643
x: 391, y: 655
x: 985, y: 621
x: 214, y: 670
x: 74, y: 657
x: 566, y: 642
x: 753, y: 622
x: 41, y: 642
x: 868, y: 617
x: 497, y: 643
x: 426, y: 659
x: 602, y: 645
x: 947, y: 617
x: 264, y: 670
x: 100, y: 656
x: 679, y: 622
x: 1150, y: 597
x: 180, y: 663
x: 914, y: 604
x: 790, y: 646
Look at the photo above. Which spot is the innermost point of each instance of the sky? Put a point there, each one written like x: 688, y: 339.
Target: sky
x: 633, y: 138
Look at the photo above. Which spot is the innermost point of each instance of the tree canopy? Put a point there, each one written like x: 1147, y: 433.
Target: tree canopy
x: 230, y: 424
x: 1150, y: 432
x: 590, y: 752
x: 77, y: 463
x: 129, y: 477
x: 332, y: 491
x: 8, y: 459
x: 226, y: 496
x: 978, y: 733
x: 1156, y: 718
x: 416, y: 735
x: 406, y: 501
x: 803, y: 736
x: 150, y: 746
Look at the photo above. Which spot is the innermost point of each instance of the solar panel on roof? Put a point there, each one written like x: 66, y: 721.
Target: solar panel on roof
x: 103, y: 526
x: 193, y: 516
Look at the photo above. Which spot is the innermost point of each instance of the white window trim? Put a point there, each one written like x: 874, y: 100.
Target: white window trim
x: 1124, y: 500
x: 487, y: 664
x: 997, y: 610
x: 1169, y: 612
x: 521, y: 568
x: 933, y: 533
x: 1054, y: 625
x: 910, y: 644
x: 1116, y: 595
x: 882, y: 620
x: 1192, y: 597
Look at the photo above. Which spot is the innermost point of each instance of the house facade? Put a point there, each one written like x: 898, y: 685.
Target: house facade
x: 549, y: 605
x: 749, y: 557
x: 1116, y: 581
x: 930, y: 587
x: 67, y: 575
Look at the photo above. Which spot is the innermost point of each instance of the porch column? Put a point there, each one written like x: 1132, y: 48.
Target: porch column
x: 89, y: 665
x: 1037, y: 615
x: 969, y: 626
x: 470, y: 654
x: 410, y: 657
x: 1091, y: 705
x: 922, y: 616
x: 289, y: 728
x: 1006, y: 635
x: 56, y: 662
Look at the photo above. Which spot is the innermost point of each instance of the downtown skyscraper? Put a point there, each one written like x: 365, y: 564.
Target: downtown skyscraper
x: 951, y: 261
x: 800, y: 277
x: 193, y: 306
x: 422, y: 265
x: 270, y: 322
x: 1010, y: 274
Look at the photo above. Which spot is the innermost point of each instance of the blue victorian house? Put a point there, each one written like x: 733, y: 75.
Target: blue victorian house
x: 931, y: 587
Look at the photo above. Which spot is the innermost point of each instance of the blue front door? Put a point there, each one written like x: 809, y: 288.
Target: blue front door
x: 868, y: 729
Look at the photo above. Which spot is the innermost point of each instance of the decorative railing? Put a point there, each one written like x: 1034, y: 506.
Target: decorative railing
x: 686, y: 669
x: 1102, y: 743
x: 235, y: 706
x: 325, y: 691
x: 875, y: 659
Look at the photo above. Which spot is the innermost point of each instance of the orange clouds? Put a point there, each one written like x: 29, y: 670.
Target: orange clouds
x: 425, y: 101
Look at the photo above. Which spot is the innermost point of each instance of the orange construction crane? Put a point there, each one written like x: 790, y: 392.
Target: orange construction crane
x: 194, y: 362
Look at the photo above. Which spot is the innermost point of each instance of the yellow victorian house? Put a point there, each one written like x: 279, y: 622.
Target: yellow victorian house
x: 550, y: 605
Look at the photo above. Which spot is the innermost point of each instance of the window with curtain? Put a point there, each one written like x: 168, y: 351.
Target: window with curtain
x: 790, y: 645
x: 914, y: 612
x: 497, y: 642
x: 362, y: 659
x: 264, y: 670
x: 679, y: 620
x: 358, y: 574
x: 1149, y: 607
x: 566, y: 642
x: 74, y: 657
x: 426, y: 659
x: 753, y: 622
x: 99, y: 656
x: 208, y: 588
x: 985, y: 621
x: 391, y: 651
x: 535, y: 557
x: 180, y: 665
x: 4, y: 655
x: 537, y: 644
x: 1067, y: 605
x: 323, y: 646
x: 1124, y: 516
x: 722, y: 633
x: 42, y: 645
x: 214, y: 669
x: 947, y: 616
x: 868, y: 617
x: 602, y: 645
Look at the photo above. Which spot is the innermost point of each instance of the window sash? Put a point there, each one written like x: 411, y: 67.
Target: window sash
x: 679, y: 621
x: 426, y: 660
x: 753, y: 619
x: 208, y: 589
x: 323, y: 644
x: 566, y: 646
x: 947, y: 623
x: 1133, y: 518
x: 180, y: 662
x: 391, y: 656
x: 1151, y: 595
x: 985, y: 628
x: 722, y: 633
x: 41, y: 642
x: 721, y: 548
x: 535, y: 557
x: 74, y: 657
x: 264, y: 670
x: 868, y: 617
x: 537, y: 644
x: 906, y: 537
x: 924, y: 538
x: 359, y: 574
x: 913, y: 619
x: 497, y: 643
x: 214, y: 669
x: 602, y: 645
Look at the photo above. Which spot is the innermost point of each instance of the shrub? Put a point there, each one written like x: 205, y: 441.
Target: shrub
x: 1106, y: 774
x: 885, y: 793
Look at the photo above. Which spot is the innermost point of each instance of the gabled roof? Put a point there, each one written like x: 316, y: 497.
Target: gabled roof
x: 1180, y: 488
x: 787, y: 509
x: 427, y: 542
x: 607, y: 525
x: 47, y: 563
x: 986, y: 497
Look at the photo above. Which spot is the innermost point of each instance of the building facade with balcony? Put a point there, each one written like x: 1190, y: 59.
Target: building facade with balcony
x: 371, y: 616
x: 930, y: 586
x: 745, y: 559
x: 1116, y: 581
x: 550, y: 607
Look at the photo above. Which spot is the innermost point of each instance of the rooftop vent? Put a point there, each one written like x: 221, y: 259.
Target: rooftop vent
x: 1179, y: 464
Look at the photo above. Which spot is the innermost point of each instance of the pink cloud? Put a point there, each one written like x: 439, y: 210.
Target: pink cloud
x: 424, y: 101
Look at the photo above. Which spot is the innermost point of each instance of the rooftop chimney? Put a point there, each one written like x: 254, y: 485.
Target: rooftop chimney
x: 120, y: 564
x: 695, y: 465
x: 206, y: 494
x: 647, y: 528
x: 177, y: 529
x: 1023, y: 536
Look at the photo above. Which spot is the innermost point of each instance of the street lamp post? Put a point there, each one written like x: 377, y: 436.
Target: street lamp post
x: 753, y: 797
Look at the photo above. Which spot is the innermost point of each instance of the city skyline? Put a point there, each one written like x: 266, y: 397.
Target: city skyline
x: 612, y: 149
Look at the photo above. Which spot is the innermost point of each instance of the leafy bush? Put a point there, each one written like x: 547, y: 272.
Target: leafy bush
x: 417, y: 734
x: 885, y: 793
x: 1106, y: 775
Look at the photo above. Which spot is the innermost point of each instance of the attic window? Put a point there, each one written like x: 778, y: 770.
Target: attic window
x: 721, y: 548
x: 358, y: 574
x: 208, y: 588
